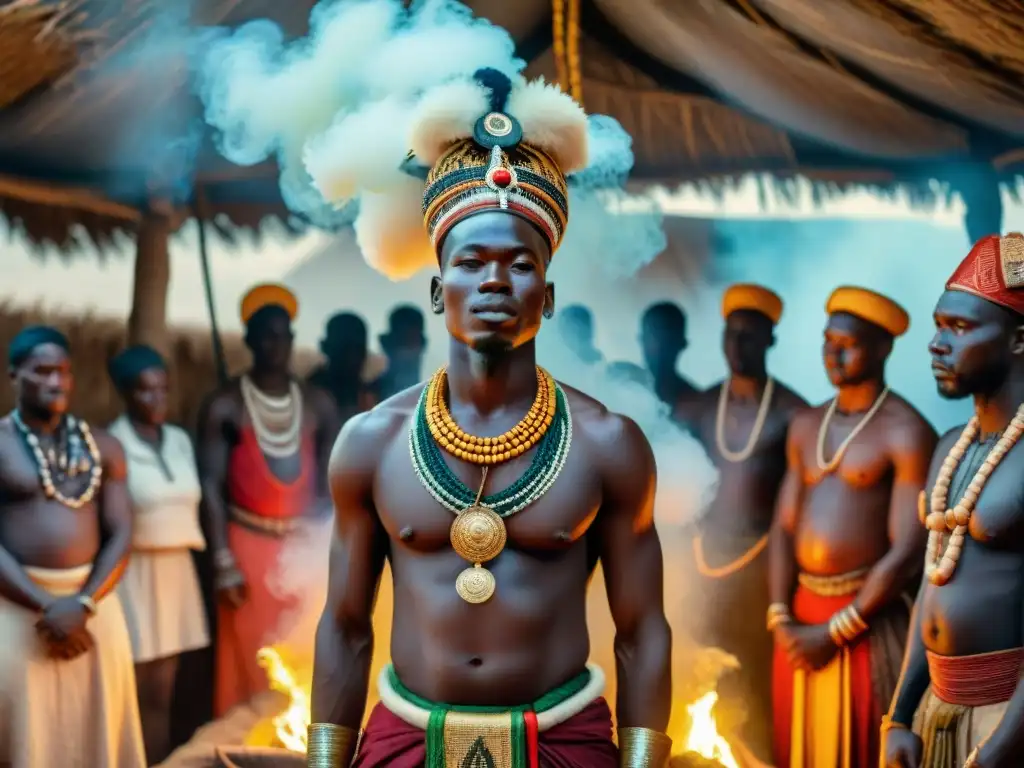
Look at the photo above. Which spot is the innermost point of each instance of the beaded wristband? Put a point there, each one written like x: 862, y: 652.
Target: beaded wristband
x: 778, y: 613
x: 88, y: 603
x: 888, y: 724
x: 224, y: 559
x: 330, y: 746
x: 643, y: 748
x: 846, y: 625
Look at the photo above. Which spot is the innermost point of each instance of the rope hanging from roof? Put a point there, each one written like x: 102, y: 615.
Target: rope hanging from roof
x: 565, y: 20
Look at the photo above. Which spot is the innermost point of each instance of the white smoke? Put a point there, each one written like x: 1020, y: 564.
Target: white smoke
x: 344, y: 97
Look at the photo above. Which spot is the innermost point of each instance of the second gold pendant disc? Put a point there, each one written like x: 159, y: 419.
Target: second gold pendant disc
x: 477, y: 535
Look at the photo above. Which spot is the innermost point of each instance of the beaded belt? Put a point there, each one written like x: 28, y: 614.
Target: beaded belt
x: 273, y: 526
x: 833, y: 586
x: 978, y: 680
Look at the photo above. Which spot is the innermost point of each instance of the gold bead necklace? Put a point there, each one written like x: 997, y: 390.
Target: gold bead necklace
x: 489, y: 450
x: 940, y: 563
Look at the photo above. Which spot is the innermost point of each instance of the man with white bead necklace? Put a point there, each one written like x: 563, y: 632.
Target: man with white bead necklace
x: 846, y: 546
x: 960, y: 701
x: 742, y: 423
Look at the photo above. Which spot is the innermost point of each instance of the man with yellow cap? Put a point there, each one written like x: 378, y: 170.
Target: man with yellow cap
x: 492, y: 490
x: 263, y: 447
x: 846, y: 545
x: 960, y: 700
x: 742, y: 423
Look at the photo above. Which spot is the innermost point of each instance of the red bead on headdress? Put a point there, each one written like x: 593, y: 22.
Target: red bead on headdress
x: 994, y: 270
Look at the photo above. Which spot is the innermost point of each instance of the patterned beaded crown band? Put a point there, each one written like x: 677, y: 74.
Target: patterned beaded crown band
x: 500, y: 163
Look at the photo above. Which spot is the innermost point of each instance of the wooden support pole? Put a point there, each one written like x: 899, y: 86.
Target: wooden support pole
x: 147, y: 323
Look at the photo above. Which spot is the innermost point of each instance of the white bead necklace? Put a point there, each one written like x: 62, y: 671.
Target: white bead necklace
x: 762, y: 415
x: 830, y: 466
x: 940, y: 563
x: 277, y: 421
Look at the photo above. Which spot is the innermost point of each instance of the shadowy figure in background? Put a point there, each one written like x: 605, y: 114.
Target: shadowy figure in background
x: 576, y: 327
x: 403, y: 345
x: 345, y: 347
x: 663, y: 339
x: 629, y: 373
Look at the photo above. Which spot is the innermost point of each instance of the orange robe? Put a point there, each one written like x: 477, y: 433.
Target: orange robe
x: 830, y: 718
x: 242, y: 632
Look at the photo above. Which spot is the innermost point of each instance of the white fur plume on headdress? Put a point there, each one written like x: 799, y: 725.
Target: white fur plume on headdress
x: 551, y: 120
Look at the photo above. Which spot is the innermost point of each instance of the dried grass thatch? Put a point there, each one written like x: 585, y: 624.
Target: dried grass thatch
x: 38, y: 46
x: 96, y: 340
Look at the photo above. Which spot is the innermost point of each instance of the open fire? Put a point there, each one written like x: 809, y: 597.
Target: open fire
x: 703, y: 738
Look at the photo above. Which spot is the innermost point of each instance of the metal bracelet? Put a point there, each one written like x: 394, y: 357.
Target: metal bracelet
x: 643, y: 748
x: 88, y: 603
x: 330, y: 746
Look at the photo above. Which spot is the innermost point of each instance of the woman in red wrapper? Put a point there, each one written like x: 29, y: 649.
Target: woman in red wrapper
x: 263, y: 445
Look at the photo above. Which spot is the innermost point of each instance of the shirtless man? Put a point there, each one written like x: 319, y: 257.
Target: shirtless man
x: 742, y: 423
x: 264, y: 443
x: 489, y: 611
x: 67, y: 686
x: 846, y: 545
x: 963, y: 665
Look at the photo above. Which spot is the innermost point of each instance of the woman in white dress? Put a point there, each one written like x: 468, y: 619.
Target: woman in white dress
x: 160, y: 591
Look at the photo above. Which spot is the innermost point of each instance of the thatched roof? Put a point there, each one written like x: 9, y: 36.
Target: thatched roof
x: 87, y: 139
x: 923, y: 97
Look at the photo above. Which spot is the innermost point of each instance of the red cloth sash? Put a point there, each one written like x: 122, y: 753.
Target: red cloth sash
x: 810, y: 608
x: 583, y: 741
x: 978, y: 680
x: 254, y: 488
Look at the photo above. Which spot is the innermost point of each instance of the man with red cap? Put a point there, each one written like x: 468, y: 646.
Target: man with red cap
x: 960, y: 701
x: 846, y: 546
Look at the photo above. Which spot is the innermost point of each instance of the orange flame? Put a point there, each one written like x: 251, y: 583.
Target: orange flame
x: 289, y: 726
x: 704, y: 738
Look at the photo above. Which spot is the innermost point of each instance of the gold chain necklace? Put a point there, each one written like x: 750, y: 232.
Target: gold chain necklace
x: 743, y: 454
x: 940, y: 563
x: 830, y: 466
x: 489, y: 450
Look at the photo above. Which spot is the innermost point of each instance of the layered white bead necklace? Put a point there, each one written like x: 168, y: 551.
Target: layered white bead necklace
x: 277, y: 421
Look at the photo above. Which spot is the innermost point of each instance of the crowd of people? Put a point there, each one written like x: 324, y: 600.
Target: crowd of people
x: 493, y: 491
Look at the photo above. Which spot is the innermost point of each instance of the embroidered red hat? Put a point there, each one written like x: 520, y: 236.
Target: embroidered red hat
x: 994, y: 270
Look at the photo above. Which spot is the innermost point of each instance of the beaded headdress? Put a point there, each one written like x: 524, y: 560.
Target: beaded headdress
x: 994, y: 270
x: 486, y: 142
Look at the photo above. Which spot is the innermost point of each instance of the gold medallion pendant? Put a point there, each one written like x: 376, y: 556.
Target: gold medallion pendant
x: 477, y: 535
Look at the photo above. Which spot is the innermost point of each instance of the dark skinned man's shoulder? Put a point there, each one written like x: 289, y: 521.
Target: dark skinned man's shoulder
x: 364, y: 437
x: 788, y: 399
x: 317, y: 396
x: 221, y: 406
x: 907, y: 427
x: 111, y: 453
x: 616, y: 439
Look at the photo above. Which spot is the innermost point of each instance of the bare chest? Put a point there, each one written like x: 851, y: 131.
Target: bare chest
x: 859, y: 458
x: 415, y: 519
x: 998, y: 517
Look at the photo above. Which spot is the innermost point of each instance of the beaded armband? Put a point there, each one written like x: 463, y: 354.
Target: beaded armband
x: 846, y: 625
x: 643, y: 748
x: 330, y: 746
x: 778, y: 613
